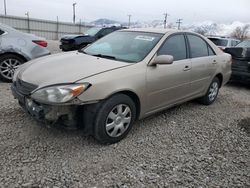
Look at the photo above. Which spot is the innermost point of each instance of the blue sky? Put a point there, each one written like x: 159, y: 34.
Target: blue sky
x: 221, y: 11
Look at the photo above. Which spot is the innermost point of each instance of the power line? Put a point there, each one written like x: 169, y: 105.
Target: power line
x: 165, y: 19
x: 179, y: 22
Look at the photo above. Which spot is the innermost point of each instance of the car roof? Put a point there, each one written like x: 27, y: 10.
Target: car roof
x: 6, y: 27
x: 151, y: 30
x: 160, y: 31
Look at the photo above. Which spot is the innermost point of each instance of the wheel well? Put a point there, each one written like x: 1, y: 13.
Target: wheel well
x: 136, y: 100
x: 13, y: 53
x: 220, y: 77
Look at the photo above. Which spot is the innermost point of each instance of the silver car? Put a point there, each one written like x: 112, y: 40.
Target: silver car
x: 224, y: 42
x: 127, y: 75
x: 17, y: 48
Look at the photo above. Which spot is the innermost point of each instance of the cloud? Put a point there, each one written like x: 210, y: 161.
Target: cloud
x: 190, y: 11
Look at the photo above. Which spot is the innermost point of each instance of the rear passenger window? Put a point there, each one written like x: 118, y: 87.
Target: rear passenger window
x: 175, y: 46
x: 234, y: 42
x: 198, y: 46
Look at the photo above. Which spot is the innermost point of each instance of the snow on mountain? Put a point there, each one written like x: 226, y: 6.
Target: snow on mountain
x: 105, y: 22
x: 206, y: 27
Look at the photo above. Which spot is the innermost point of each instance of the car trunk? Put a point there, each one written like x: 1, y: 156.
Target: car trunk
x: 241, y: 58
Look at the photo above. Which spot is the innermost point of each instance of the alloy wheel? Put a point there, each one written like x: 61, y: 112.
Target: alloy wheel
x: 8, y: 67
x: 213, y: 91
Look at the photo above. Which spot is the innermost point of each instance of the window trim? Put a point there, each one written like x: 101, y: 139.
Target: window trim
x: 174, y: 34
x: 189, y: 47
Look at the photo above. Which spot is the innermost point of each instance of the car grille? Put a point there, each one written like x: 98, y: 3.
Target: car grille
x: 24, y: 87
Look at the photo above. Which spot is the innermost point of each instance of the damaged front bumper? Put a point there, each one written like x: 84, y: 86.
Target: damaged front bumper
x: 65, y: 115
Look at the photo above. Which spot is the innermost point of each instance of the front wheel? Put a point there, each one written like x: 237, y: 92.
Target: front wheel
x: 212, y: 92
x: 114, y: 119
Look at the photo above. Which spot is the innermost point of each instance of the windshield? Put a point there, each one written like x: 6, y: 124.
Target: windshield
x: 244, y: 44
x: 219, y: 42
x: 124, y: 46
x: 93, y: 31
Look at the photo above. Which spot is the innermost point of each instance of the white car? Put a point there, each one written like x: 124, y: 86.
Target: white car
x: 223, y: 42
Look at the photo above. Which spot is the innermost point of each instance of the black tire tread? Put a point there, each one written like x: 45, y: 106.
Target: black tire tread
x: 107, y: 105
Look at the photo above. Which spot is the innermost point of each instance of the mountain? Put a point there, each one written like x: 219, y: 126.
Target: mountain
x: 105, y: 22
x: 205, y: 27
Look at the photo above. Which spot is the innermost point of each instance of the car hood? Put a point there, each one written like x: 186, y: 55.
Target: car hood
x: 65, y: 68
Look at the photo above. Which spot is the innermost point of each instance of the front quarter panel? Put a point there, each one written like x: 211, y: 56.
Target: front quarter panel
x: 129, y: 78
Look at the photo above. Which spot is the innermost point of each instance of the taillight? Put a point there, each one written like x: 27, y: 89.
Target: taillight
x: 41, y: 43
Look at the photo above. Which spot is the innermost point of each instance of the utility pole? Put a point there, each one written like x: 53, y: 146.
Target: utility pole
x: 179, y: 22
x: 5, y: 10
x: 80, y: 26
x: 74, y: 13
x: 28, y: 19
x: 57, y: 28
x: 165, y: 19
x: 129, y: 20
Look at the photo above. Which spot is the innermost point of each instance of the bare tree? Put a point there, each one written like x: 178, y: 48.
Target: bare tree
x: 241, y: 32
x: 170, y: 25
x: 206, y: 29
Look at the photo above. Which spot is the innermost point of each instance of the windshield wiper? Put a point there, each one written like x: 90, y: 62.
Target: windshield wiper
x: 104, y: 56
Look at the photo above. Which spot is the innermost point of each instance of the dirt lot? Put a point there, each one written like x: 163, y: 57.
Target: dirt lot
x: 187, y: 146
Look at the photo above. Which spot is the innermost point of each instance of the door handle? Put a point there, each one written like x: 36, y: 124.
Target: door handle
x: 187, y: 68
x: 214, y: 62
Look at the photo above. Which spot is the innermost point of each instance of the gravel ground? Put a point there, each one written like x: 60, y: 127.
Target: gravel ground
x: 187, y: 146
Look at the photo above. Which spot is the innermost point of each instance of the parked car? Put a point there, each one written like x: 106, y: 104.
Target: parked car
x: 17, y: 48
x: 76, y: 42
x: 127, y: 75
x: 223, y: 42
x: 241, y: 61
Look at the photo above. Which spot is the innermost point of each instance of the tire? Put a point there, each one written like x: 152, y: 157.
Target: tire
x: 8, y: 64
x: 212, y: 93
x: 114, y: 119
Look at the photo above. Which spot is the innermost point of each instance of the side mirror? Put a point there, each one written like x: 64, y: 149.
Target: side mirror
x: 163, y: 60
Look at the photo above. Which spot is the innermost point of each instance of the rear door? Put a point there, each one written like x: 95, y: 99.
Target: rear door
x: 168, y: 84
x: 204, y: 63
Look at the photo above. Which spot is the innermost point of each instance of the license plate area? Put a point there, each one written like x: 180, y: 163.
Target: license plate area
x: 34, y: 109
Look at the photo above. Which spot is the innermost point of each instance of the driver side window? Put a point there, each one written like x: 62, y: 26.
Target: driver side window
x: 175, y: 46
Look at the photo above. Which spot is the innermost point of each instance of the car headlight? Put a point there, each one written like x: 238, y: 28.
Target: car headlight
x: 59, y: 94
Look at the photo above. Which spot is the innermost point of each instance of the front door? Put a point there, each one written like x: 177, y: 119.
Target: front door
x: 168, y: 84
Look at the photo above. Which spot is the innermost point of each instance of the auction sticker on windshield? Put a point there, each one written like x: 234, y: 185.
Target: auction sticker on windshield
x: 147, y: 38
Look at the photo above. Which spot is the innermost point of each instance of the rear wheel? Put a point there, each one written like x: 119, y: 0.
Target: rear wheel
x: 114, y: 119
x: 8, y: 64
x: 212, y: 92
